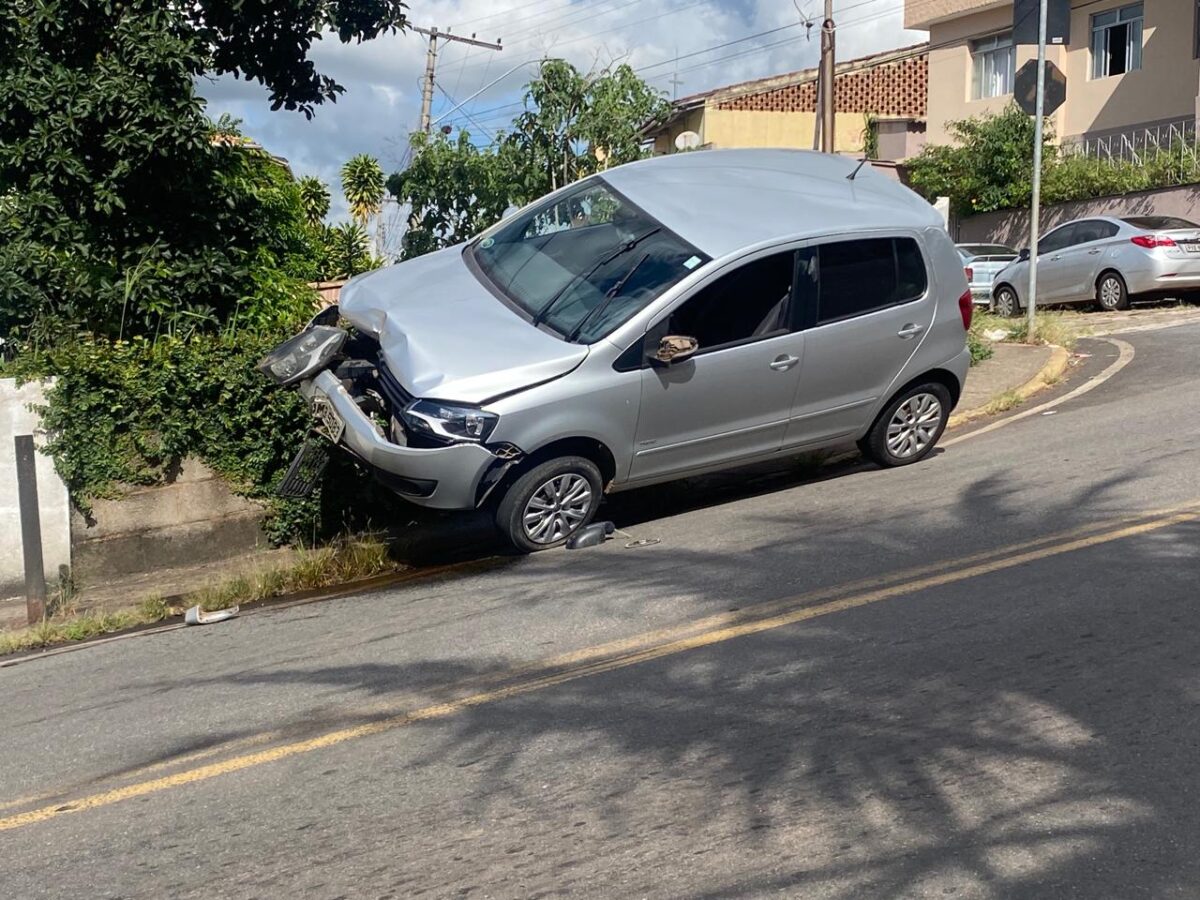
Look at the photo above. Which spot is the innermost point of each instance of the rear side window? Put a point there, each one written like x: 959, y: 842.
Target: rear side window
x: 858, y: 277
x: 1160, y: 223
x: 749, y: 302
x: 1093, y: 230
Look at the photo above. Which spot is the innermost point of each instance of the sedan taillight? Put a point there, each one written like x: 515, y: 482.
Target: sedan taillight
x: 1150, y: 241
x: 967, y: 309
x: 970, y: 273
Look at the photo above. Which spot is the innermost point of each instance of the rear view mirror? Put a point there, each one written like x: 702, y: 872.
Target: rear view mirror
x: 675, y: 348
x: 1023, y: 254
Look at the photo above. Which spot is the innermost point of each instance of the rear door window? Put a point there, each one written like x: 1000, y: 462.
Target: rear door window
x: 859, y: 277
x: 1093, y: 230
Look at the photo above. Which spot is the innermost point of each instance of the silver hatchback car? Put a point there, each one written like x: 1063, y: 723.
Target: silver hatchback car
x: 665, y: 318
x: 1106, y: 260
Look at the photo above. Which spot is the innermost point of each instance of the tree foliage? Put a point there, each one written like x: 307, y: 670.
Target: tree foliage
x: 989, y: 167
x: 573, y: 124
x: 314, y: 197
x: 362, y: 184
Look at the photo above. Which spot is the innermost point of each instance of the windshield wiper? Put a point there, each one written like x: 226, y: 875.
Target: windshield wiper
x: 609, y: 296
x: 541, y: 314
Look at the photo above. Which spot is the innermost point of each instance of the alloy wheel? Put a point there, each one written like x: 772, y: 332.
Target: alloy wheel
x: 914, y: 425
x: 557, y: 508
x: 1006, y: 303
x: 1110, y: 292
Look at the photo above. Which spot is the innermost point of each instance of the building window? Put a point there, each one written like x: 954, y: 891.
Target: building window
x: 1117, y: 41
x: 994, y: 61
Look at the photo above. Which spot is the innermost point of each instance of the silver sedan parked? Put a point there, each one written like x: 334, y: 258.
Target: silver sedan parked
x: 1106, y: 260
x: 981, y: 263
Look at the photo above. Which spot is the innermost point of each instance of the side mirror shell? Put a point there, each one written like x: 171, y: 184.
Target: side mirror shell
x: 1023, y: 254
x: 674, y: 348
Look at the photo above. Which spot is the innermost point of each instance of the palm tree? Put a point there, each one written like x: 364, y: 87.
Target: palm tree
x: 362, y: 183
x: 314, y: 199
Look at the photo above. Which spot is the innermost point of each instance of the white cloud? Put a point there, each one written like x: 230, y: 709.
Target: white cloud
x: 382, y: 78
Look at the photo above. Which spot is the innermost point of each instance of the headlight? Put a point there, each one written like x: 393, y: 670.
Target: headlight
x: 445, y: 420
x: 301, y: 356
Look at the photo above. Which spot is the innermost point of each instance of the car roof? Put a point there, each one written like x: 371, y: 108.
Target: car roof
x: 723, y: 201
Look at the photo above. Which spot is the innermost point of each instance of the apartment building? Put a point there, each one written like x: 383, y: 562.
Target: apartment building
x: 1131, y: 65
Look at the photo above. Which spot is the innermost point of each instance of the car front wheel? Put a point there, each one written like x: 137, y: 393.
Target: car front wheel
x: 909, y: 427
x: 549, y: 503
x: 1005, y: 303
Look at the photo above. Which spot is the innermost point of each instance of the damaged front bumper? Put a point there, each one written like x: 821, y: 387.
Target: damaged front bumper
x: 453, y: 476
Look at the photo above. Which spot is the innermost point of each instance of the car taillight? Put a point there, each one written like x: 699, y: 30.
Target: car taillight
x: 1150, y: 241
x: 970, y: 273
x: 967, y: 309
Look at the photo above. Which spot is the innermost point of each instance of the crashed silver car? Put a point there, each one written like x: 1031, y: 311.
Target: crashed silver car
x: 662, y: 319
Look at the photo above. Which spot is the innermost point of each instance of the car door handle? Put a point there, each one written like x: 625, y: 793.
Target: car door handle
x: 1095, y: 252
x: 910, y: 330
x: 783, y: 363
x: 1053, y: 258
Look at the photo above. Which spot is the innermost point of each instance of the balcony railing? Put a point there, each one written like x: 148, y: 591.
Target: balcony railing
x: 1138, y: 145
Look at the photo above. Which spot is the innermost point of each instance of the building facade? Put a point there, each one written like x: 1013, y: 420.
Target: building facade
x: 879, y: 98
x: 1132, y: 66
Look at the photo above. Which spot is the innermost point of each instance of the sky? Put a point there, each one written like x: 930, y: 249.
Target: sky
x: 667, y: 40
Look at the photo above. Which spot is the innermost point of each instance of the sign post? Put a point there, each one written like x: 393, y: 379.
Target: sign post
x: 1035, y: 209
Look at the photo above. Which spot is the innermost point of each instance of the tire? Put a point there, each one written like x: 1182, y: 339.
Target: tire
x: 927, y: 401
x: 544, y: 487
x: 1111, y: 293
x: 1005, y: 303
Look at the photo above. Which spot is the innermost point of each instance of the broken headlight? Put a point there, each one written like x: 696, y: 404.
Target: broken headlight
x: 304, y: 355
x: 449, y: 422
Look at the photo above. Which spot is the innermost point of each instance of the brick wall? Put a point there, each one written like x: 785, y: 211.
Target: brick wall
x: 895, y: 89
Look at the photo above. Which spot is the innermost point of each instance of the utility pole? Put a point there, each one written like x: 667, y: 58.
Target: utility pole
x: 431, y: 66
x: 825, y: 81
x: 1035, y: 209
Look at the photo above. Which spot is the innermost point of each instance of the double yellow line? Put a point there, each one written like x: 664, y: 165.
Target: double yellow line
x: 649, y: 646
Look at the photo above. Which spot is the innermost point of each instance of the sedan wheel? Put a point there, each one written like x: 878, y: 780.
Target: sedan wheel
x: 1111, y: 293
x: 1006, y: 304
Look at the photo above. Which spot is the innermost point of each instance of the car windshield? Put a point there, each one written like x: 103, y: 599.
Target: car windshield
x: 1160, y: 223
x: 584, y: 262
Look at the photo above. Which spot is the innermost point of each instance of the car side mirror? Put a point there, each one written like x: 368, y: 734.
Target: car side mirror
x: 675, y: 348
x: 1023, y: 254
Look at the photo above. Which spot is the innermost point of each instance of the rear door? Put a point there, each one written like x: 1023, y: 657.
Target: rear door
x: 1081, y: 259
x: 731, y: 400
x: 866, y: 306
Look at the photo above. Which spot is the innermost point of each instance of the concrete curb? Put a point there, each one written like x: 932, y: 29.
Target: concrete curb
x: 1049, y: 373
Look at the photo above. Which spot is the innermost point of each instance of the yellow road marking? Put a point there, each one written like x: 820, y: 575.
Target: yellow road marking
x: 596, y: 661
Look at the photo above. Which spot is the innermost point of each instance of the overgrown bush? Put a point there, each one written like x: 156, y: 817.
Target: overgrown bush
x: 127, y: 412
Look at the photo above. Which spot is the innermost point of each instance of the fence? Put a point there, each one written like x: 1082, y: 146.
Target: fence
x: 1171, y: 145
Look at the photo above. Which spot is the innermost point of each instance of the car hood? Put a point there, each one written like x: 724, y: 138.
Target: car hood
x: 446, y: 337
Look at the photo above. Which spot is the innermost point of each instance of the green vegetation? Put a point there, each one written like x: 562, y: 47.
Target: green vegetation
x: 573, y: 125
x: 989, y: 167
x: 344, y: 560
x: 1061, y: 328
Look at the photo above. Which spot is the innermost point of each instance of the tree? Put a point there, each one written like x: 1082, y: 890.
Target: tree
x: 573, y: 125
x: 362, y: 185
x: 314, y: 196
x: 119, y: 192
x: 347, y: 251
x: 454, y: 188
x: 989, y: 168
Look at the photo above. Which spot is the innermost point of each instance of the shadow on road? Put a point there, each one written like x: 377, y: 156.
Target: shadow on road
x: 1015, y: 734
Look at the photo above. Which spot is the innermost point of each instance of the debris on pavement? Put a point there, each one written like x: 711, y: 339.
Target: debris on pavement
x: 197, y: 616
x: 590, y: 536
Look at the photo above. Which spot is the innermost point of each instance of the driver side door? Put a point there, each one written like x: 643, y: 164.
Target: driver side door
x: 731, y: 400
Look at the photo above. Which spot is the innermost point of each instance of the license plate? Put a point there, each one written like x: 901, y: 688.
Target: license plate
x: 1191, y: 248
x: 329, y: 423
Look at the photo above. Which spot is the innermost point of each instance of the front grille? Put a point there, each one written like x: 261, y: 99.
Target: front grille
x: 392, y: 389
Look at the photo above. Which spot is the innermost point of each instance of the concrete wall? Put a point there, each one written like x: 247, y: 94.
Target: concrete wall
x: 1012, y: 227
x: 754, y: 128
x: 923, y: 13
x: 1164, y: 89
x: 194, y: 519
x: 15, y: 419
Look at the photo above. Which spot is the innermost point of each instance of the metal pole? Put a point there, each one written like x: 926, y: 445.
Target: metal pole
x: 1035, y: 209
x: 427, y: 84
x: 828, y: 89
x: 31, y: 529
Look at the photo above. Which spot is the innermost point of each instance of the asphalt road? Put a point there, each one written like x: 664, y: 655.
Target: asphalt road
x: 974, y: 677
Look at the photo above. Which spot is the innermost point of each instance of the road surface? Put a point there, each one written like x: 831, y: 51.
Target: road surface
x: 974, y: 677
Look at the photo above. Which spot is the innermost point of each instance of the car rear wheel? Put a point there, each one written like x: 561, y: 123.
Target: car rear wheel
x: 909, y: 427
x: 1005, y: 303
x: 549, y: 503
x: 1111, y: 292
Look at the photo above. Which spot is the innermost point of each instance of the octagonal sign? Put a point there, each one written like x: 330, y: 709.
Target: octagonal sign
x: 1025, y: 88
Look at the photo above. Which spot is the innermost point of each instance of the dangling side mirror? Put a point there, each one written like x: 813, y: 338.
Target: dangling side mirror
x: 675, y: 348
